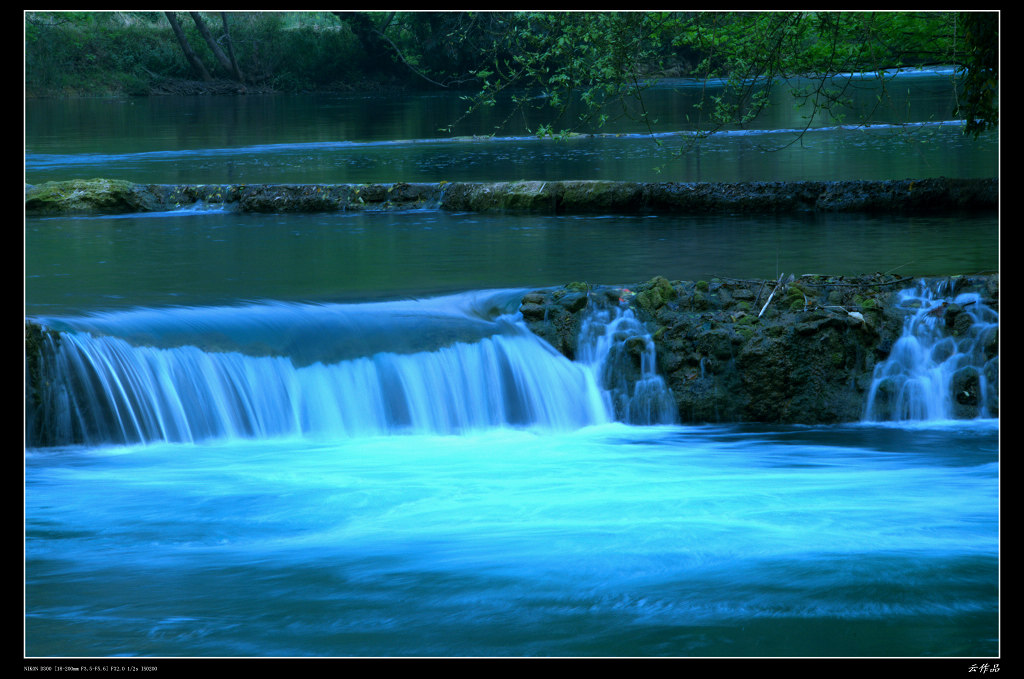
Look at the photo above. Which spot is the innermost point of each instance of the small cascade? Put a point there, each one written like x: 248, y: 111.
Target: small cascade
x: 618, y: 349
x: 438, y: 366
x: 469, y: 373
x: 114, y: 392
x: 945, y: 365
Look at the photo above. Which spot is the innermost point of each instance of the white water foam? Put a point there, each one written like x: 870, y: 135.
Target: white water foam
x: 940, y: 368
x: 270, y: 371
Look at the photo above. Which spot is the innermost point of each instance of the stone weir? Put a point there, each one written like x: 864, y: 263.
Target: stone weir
x: 112, y: 196
x: 806, y: 350
x: 793, y: 350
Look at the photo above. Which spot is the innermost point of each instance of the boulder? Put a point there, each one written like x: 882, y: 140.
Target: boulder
x: 89, y: 196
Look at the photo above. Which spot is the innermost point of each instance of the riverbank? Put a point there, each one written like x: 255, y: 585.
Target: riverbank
x: 112, y: 196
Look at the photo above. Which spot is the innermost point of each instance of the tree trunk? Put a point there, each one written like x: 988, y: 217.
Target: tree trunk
x: 222, y: 58
x: 231, y: 50
x: 190, y: 54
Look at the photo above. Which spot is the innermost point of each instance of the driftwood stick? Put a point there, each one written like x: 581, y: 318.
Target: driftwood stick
x: 777, y: 284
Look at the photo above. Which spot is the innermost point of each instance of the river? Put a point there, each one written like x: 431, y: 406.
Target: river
x: 331, y: 436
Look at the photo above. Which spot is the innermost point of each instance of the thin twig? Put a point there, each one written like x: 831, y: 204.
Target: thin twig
x: 777, y: 285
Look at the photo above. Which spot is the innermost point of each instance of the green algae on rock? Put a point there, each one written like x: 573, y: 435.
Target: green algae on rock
x: 110, y: 196
x: 554, y: 197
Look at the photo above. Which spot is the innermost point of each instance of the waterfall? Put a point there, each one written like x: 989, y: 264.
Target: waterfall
x: 945, y: 364
x: 619, y: 351
x: 116, y: 392
x: 440, y: 366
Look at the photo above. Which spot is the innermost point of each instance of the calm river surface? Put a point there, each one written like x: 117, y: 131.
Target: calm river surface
x: 524, y: 535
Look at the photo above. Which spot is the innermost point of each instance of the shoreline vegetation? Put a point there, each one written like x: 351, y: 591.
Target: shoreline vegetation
x: 582, y: 69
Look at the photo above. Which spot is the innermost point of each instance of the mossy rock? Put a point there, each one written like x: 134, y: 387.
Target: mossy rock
x: 663, y: 287
x: 599, y: 196
x: 798, y: 298
x: 529, y: 196
x: 865, y: 302
x: 514, y: 196
x: 655, y: 293
x: 78, y: 196
x: 649, y: 300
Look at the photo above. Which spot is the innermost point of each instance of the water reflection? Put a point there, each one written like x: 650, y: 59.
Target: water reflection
x: 356, y: 139
x: 219, y: 258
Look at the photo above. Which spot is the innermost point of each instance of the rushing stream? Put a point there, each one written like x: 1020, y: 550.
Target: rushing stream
x: 332, y: 435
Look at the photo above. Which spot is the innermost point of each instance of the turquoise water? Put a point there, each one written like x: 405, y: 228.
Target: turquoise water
x: 426, y: 478
x: 606, y: 541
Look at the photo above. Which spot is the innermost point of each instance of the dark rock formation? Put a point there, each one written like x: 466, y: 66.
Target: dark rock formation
x: 562, y: 197
x: 789, y: 351
x: 39, y: 343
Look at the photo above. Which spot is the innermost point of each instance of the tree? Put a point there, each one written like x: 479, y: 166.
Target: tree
x: 228, y: 64
x: 227, y: 61
x: 193, y: 59
x: 598, y: 62
x: 437, y: 43
x: 980, y: 70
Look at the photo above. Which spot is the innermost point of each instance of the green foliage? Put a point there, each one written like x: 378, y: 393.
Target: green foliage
x: 803, y: 51
x: 449, y: 48
x: 305, y: 58
x: 555, y: 60
x: 91, y: 52
x: 127, y: 52
x: 557, y: 72
x: 602, y: 62
x: 979, y: 68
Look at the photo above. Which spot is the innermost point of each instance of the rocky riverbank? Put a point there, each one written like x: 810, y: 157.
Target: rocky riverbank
x: 796, y: 350
x: 111, y: 196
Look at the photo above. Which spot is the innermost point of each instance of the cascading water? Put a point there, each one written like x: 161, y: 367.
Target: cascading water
x: 945, y: 365
x: 434, y: 366
x: 620, y: 352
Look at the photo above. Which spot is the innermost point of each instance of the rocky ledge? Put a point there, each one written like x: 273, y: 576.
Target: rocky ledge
x: 795, y: 350
x: 112, y: 196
